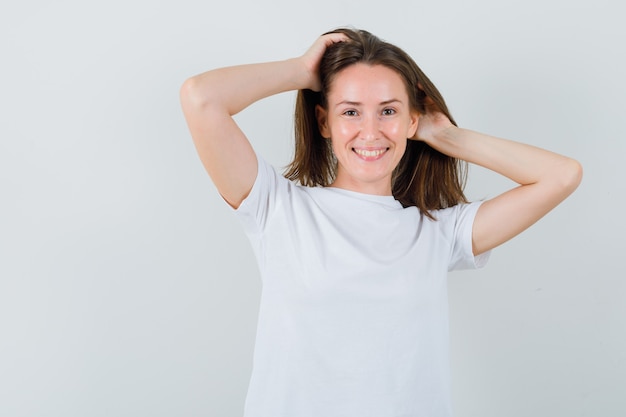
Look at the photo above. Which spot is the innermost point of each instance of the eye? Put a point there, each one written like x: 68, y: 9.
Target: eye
x: 350, y: 113
x: 389, y: 112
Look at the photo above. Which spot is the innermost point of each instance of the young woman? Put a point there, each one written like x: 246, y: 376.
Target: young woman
x: 355, y: 244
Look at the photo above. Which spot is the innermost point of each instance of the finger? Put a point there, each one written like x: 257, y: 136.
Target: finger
x: 331, y: 38
x: 429, y: 103
x: 324, y: 41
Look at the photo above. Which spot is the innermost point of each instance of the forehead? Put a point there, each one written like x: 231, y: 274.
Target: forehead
x: 360, y: 81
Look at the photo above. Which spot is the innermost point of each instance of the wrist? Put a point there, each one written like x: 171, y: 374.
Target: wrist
x: 300, y: 74
x: 447, y: 133
x: 449, y: 140
x: 440, y: 134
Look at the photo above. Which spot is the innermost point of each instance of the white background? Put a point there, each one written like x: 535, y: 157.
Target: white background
x: 128, y: 289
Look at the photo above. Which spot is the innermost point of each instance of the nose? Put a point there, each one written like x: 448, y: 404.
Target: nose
x: 370, y: 128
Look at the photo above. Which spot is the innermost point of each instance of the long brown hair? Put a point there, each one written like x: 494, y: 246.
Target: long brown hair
x: 424, y: 177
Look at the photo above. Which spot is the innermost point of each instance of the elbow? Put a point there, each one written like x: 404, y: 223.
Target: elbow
x: 190, y: 94
x: 571, y: 174
x: 200, y: 94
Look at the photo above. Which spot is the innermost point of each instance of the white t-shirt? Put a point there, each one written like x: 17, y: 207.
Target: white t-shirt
x: 353, y: 318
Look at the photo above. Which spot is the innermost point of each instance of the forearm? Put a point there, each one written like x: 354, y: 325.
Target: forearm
x: 522, y: 163
x: 235, y: 88
x: 546, y: 179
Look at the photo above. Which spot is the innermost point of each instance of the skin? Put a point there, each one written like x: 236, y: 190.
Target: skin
x: 368, y: 120
x: 210, y: 99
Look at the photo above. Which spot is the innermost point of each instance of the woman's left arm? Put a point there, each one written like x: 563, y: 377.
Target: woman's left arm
x: 545, y: 178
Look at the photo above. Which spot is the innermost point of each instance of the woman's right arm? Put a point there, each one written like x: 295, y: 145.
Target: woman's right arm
x: 209, y: 101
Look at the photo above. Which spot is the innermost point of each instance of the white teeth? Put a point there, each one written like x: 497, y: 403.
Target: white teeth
x: 367, y: 153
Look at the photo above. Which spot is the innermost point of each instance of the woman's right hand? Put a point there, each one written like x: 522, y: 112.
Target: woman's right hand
x: 210, y: 99
x: 312, y: 57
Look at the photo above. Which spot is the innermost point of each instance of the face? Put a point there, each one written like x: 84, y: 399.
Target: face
x: 368, y: 120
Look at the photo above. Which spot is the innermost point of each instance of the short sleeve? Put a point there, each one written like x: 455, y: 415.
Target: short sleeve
x: 261, y: 202
x: 462, y: 256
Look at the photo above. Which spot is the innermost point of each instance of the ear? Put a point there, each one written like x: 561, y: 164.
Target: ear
x: 415, y: 118
x: 322, y: 121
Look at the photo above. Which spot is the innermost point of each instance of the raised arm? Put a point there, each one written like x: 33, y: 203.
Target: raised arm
x: 209, y: 101
x: 545, y: 178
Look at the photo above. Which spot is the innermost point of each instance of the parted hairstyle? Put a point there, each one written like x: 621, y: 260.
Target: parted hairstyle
x: 424, y: 177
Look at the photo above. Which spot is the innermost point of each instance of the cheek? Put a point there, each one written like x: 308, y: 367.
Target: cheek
x: 394, y: 130
x: 344, y: 130
x: 402, y: 147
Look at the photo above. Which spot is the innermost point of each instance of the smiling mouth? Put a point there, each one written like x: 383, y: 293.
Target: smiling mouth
x: 370, y: 153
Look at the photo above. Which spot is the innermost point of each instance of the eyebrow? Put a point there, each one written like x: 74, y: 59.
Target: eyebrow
x: 357, y: 103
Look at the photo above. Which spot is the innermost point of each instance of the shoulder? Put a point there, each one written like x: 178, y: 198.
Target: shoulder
x: 461, y: 210
x: 456, y: 219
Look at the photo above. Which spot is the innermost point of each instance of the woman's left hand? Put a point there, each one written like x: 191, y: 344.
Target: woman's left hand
x: 431, y: 125
x: 432, y: 122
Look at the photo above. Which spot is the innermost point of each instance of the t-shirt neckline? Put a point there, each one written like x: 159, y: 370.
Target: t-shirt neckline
x: 387, y: 200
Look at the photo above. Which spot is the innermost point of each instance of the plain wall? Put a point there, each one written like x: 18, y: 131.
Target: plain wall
x: 127, y: 288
